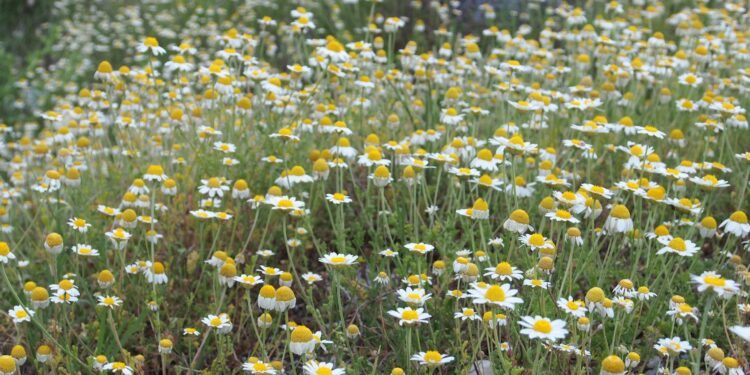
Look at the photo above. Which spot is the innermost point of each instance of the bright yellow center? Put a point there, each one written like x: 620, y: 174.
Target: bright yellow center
x: 543, y: 326
x: 409, y: 315
x: 536, y: 239
x: 433, y: 357
x: 495, y: 294
x: 678, y: 244
x: 714, y: 281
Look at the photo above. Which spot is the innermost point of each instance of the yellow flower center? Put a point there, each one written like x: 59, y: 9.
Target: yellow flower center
x: 433, y: 357
x: 543, y: 326
x: 409, y: 315
x: 738, y: 217
x: 563, y: 214
x: 536, y: 239
x: 338, y: 259
x: 495, y: 294
x: 151, y: 42
x: 620, y: 212
x: 678, y: 244
x: 714, y: 281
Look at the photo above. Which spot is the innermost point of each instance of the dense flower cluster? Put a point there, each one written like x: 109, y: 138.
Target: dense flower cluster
x: 330, y: 189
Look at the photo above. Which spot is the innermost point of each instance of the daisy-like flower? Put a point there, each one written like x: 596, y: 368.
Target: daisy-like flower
x: 314, y: 367
x: 710, y: 280
x: 709, y: 182
x: 259, y: 368
x: 338, y: 260
x: 414, y: 297
x: 190, y: 331
x: 420, y: 248
x: 85, y: 250
x: 494, y: 294
x: 690, y: 79
x: 683, y: 311
x: 562, y: 216
x: 672, y: 346
x: 644, y: 294
x: 677, y: 246
x: 504, y: 271
x: 516, y: 145
x: 613, y: 365
x: 480, y: 210
x: 388, y: 253
x: 432, y: 358
x: 536, y: 283
x: 302, y: 340
x: 597, y: 190
x: 535, y: 241
x: 285, y: 203
x: 119, y: 237
x: 270, y: 271
x: 338, y: 198
x: 65, y: 287
x: 116, y: 367
x: 5, y: 254
x: 217, y: 321
x: 20, y: 314
x: 737, y: 224
x: 450, y: 116
x: 518, y: 222
x: 410, y: 316
x: 467, y: 314
x: 155, y: 273
x: 576, y: 308
x: 619, y: 220
x: 543, y: 328
x: 109, y: 301
x: 248, y: 280
x: 151, y: 44
x: 213, y: 187
x: 311, y: 278
x: 79, y: 224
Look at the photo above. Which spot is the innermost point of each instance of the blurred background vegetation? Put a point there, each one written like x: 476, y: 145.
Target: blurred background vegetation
x: 32, y: 34
x: 26, y: 37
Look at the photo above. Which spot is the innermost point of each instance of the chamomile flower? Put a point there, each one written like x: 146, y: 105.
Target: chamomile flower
x: 85, y: 250
x: 338, y: 260
x: 677, y: 246
x: 419, y: 248
x: 20, y: 314
x: 410, y: 316
x: 737, y: 224
x: 414, y: 297
x: 537, y: 327
x: 495, y: 294
x: 79, y: 224
x: 109, y: 301
x: 216, y: 321
x: 576, y: 308
x: 432, y: 358
x: 504, y: 271
x: 5, y: 253
x: 151, y: 45
x: 710, y: 280
x: 314, y: 367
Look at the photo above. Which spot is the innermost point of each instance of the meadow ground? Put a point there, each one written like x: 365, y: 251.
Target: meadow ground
x: 366, y: 187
